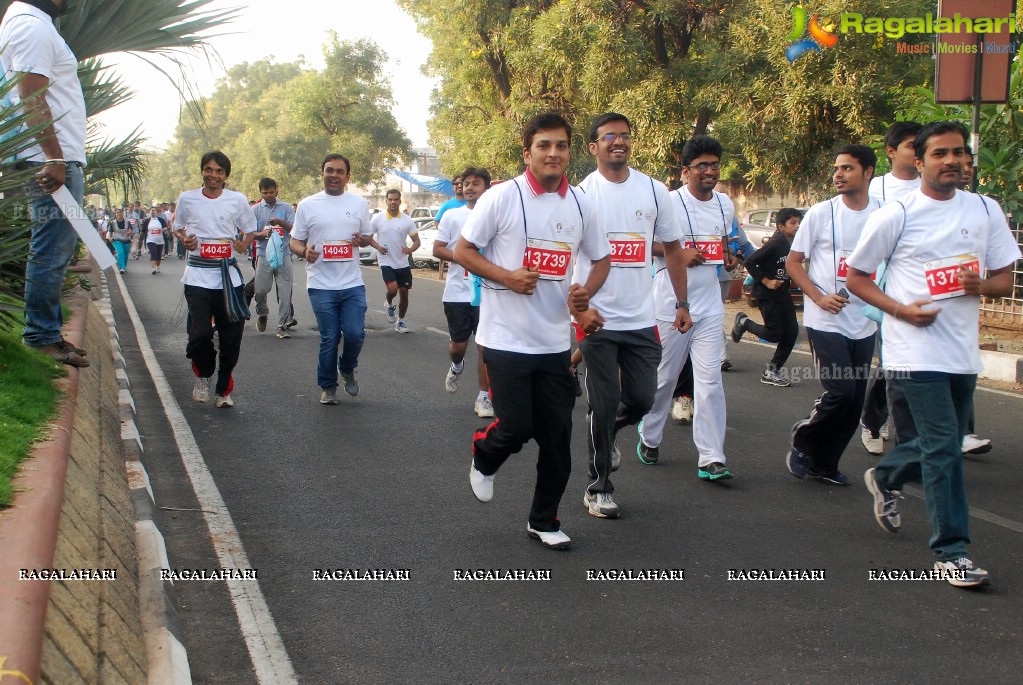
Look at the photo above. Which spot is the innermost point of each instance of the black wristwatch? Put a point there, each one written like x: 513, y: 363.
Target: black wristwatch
x: 681, y: 304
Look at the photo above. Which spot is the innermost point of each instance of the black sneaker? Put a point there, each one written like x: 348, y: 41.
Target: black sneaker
x: 292, y: 323
x: 647, y: 455
x: 838, y: 478
x: 260, y: 323
x: 798, y: 463
x: 351, y: 385
x: 770, y: 377
x: 575, y: 377
x: 962, y: 573
x: 739, y: 327
x: 714, y: 471
x: 886, y: 503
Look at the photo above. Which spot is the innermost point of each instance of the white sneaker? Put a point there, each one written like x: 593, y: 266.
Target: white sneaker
x: 201, y: 390
x: 482, y: 486
x: 601, y: 505
x: 401, y: 326
x: 550, y: 539
x: 224, y: 401
x: 484, y: 408
x: 873, y: 445
x: 451, y: 380
x: 391, y: 309
x: 974, y: 444
x: 682, y: 409
x: 884, y: 431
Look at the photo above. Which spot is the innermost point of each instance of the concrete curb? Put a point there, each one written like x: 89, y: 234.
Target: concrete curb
x: 1002, y: 366
x: 165, y: 652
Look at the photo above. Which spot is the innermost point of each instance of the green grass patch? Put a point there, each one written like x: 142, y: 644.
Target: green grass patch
x: 28, y: 402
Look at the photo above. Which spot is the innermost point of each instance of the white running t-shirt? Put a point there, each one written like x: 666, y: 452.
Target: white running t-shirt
x: 457, y: 288
x: 212, y: 219
x: 327, y: 224
x: 391, y: 232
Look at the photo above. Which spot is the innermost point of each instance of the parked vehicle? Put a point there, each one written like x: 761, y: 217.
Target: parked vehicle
x: 423, y: 257
x: 759, y: 224
x: 424, y: 212
x: 424, y: 222
x: 368, y: 254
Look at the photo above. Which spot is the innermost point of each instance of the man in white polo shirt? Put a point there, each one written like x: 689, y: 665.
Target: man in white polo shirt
x: 521, y: 239
x: 329, y: 228
x: 391, y: 228
x: 944, y: 249
x: 460, y: 299
x: 207, y: 223
x: 841, y: 336
x: 622, y: 358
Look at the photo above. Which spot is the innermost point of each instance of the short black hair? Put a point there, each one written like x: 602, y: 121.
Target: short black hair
x: 607, y: 119
x: 216, y: 156
x: 548, y: 121
x: 863, y: 154
x: 391, y: 191
x: 334, y: 155
x: 934, y: 129
x: 478, y: 172
x: 785, y: 214
x: 265, y: 183
x: 700, y: 145
x: 899, y: 131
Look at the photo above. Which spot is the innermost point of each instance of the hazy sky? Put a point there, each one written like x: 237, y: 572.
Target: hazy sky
x: 284, y: 30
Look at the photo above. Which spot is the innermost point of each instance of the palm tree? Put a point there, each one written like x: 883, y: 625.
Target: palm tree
x: 161, y: 32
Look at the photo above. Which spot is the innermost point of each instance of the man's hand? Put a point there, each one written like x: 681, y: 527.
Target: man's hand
x: 683, y: 322
x: 916, y: 315
x: 832, y: 303
x: 970, y: 280
x: 773, y: 283
x: 522, y: 280
x: 693, y: 257
x: 730, y: 262
x: 407, y: 250
x: 191, y: 242
x: 51, y: 177
x: 589, y: 320
x: 311, y: 254
x: 578, y: 298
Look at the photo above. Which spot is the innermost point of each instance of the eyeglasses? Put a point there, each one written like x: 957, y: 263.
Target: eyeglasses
x: 703, y: 166
x: 612, y: 137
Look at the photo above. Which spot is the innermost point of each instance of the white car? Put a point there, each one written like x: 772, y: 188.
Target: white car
x: 423, y: 257
x: 368, y: 254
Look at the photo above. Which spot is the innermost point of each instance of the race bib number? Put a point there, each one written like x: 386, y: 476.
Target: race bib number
x: 709, y: 246
x: 276, y: 229
x: 941, y: 275
x: 337, y: 250
x: 548, y: 257
x: 216, y: 249
x: 627, y: 249
x: 843, y: 268
x: 155, y: 232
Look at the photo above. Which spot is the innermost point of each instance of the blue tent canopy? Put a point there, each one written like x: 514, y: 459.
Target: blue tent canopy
x: 435, y: 184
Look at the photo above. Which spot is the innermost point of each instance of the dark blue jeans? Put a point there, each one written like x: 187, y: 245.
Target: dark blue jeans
x: 339, y: 313
x: 940, y: 404
x: 49, y: 253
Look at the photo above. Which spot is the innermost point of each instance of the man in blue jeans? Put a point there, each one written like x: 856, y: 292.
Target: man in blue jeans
x: 50, y: 90
x: 329, y: 228
x: 944, y: 249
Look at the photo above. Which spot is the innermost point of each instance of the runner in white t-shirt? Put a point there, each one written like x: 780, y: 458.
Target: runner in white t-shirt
x: 461, y: 298
x: 330, y: 226
x: 705, y: 219
x: 841, y: 337
x: 521, y: 239
x: 391, y: 228
x: 944, y: 249
x: 155, y: 225
x: 622, y: 358
x: 208, y: 221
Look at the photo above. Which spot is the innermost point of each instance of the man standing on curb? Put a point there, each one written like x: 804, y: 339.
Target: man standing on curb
x: 391, y: 227
x: 705, y: 218
x: 939, y: 246
x: 273, y: 216
x: 529, y: 229
x: 622, y: 358
x: 841, y: 336
x: 207, y: 223
x: 49, y: 90
x: 330, y: 226
x: 463, y: 316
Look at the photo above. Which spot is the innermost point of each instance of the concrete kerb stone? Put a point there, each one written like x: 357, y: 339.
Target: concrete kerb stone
x: 161, y: 626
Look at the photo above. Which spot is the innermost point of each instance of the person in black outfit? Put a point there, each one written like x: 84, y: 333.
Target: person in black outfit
x: 771, y: 288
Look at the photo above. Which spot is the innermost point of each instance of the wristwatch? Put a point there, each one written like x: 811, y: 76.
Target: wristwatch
x: 681, y: 304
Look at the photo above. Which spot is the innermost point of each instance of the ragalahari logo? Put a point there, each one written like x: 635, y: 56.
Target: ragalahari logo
x: 819, y: 37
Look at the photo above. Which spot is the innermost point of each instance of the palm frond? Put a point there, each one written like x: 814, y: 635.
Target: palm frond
x: 123, y: 164
x: 102, y: 89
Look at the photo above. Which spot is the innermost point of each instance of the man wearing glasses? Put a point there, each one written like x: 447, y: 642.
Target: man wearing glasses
x: 705, y: 218
x: 457, y: 201
x: 622, y: 357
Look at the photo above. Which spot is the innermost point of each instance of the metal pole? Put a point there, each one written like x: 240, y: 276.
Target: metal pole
x: 978, y: 73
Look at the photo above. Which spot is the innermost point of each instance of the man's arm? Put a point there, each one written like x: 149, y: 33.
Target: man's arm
x: 32, y: 90
x: 415, y: 244
x: 862, y: 285
x: 675, y: 261
x: 521, y: 280
x: 794, y: 267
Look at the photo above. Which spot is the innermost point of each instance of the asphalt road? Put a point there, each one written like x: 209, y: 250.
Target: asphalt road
x: 380, y: 482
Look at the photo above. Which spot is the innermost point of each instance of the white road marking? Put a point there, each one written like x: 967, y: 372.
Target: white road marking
x: 975, y: 512
x: 437, y: 330
x: 266, y: 649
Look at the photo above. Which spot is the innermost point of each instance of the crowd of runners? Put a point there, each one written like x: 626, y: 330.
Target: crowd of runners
x: 632, y: 272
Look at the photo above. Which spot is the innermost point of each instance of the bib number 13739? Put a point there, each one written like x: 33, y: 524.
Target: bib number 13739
x: 549, y: 258
x: 941, y: 275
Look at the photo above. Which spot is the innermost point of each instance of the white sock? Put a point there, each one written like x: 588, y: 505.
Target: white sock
x: 459, y: 367
x: 483, y: 393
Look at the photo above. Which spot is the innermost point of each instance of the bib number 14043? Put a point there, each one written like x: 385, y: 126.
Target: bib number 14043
x: 337, y: 250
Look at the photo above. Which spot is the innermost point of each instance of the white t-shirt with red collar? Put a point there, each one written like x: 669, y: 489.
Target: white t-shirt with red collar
x: 517, y: 222
x: 327, y: 224
x: 212, y: 220
x: 636, y: 212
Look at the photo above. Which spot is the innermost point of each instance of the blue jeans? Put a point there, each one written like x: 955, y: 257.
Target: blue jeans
x: 940, y: 404
x: 339, y: 313
x: 49, y: 254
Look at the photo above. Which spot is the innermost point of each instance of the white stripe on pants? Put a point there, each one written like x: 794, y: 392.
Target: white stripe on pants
x: 703, y: 343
